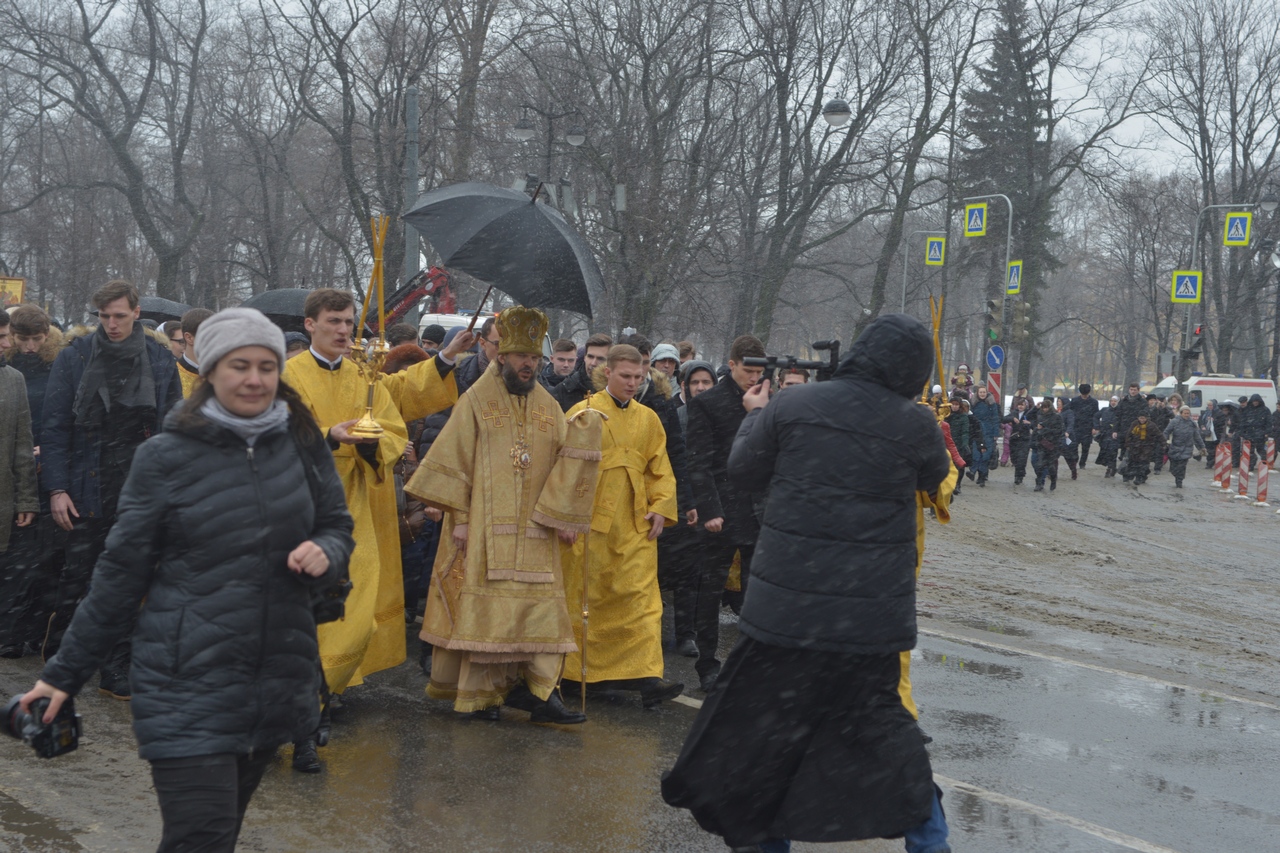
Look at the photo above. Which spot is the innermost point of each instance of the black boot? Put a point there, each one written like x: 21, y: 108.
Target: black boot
x: 492, y: 714
x: 521, y: 698
x: 305, y: 759
x: 326, y: 722
x: 554, y: 711
x: 656, y: 690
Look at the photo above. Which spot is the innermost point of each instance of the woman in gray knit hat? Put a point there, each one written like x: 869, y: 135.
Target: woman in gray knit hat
x: 229, y: 521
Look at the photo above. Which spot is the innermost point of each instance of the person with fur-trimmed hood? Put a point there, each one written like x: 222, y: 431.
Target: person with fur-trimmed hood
x: 35, y: 551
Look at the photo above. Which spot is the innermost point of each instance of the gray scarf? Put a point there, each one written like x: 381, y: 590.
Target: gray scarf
x: 276, y: 417
x: 118, y: 373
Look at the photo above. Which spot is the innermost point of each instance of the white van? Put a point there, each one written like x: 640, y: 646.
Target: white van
x: 1218, y: 386
x: 448, y: 321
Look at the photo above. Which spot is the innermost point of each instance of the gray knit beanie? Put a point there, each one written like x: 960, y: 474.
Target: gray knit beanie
x: 232, y: 328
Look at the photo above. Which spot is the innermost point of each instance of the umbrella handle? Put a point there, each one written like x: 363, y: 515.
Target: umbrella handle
x: 471, y: 326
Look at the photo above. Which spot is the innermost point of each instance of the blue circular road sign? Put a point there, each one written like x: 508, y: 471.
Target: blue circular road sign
x: 995, y: 357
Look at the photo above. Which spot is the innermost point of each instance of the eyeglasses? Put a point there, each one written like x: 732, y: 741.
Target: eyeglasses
x: 179, y: 341
x: 492, y: 343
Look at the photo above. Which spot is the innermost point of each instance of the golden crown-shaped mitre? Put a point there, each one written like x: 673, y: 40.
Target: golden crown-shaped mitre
x: 521, y: 329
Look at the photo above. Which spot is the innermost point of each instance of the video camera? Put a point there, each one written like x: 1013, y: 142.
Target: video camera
x: 48, y: 740
x: 773, y: 363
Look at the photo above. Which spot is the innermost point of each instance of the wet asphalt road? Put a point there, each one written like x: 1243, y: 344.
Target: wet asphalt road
x: 1097, y: 671
x: 1036, y: 753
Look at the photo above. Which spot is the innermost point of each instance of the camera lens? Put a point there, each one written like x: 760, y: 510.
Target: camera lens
x: 14, y: 720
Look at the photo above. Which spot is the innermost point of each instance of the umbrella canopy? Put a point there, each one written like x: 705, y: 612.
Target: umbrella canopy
x: 286, y: 302
x: 160, y: 309
x: 524, y: 248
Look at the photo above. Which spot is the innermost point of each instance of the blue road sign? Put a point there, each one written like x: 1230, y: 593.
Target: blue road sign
x: 1013, y: 284
x: 935, y: 252
x: 1236, y: 231
x: 1186, y: 286
x: 975, y: 220
x: 995, y: 357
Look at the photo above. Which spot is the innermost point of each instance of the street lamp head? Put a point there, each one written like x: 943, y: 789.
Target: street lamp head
x: 576, y: 136
x: 1269, y: 202
x: 837, y: 112
x: 524, y: 129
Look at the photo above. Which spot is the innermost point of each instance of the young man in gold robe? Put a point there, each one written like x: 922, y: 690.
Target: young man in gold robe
x: 511, y: 476
x: 370, y: 637
x: 634, y: 500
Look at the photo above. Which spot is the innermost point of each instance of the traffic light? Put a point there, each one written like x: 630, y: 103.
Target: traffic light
x: 1022, y: 322
x: 992, y: 319
x: 1196, y: 347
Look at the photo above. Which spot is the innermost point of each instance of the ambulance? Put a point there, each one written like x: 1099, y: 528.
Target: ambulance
x: 1203, y: 387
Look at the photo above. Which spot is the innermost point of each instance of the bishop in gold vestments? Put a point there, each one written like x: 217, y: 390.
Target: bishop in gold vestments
x: 503, y: 465
x: 624, y: 633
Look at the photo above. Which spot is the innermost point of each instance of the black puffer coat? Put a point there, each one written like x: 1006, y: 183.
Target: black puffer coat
x: 1255, y: 421
x: 224, y: 654
x: 835, y: 564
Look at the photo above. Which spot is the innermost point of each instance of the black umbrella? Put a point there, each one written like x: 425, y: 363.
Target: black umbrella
x: 524, y: 248
x: 282, y: 307
x: 160, y: 309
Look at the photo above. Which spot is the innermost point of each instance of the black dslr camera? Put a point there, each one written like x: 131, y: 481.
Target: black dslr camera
x: 51, y: 740
x: 825, y: 369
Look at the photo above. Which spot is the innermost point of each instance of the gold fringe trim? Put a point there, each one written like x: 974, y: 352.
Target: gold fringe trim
x: 540, y: 517
x: 579, y: 453
x: 498, y: 648
x: 504, y: 529
x: 501, y: 657
x: 522, y: 577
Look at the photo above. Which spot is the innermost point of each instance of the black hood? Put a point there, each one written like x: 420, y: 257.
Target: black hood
x: 895, y: 351
x: 1256, y: 400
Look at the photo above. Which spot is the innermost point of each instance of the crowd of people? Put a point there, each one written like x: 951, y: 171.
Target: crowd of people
x: 214, y: 511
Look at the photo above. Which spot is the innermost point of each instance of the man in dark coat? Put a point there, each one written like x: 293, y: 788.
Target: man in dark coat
x: 1255, y: 426
x: 725, y: 512
x: 1047, y: 437
x: 578, y: 386
x: 108, y: 392
x: 1132, y: 405
x: 1105, y: 425
x: 805, y: 736
x: 1085, y: 409
x: 1158, y: 416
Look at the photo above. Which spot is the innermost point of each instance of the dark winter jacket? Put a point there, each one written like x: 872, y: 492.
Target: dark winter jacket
x: 988, y: 414
x: 1159, y: 416
x: 1127, y: 411
x: 1221, y: 421
x: 70, y: 456
x: 1049, y: 432
x: 224, y: 652
x: 35, y: 368
x: 713, y: 421
x: 1084, y: 411
x: 960, y: 434
x: 835, y: 564
x: 1183, y: 438
x: 657, y: 396
x: 548, y: 376
x: 1106, y: 422
x: 1021, y: 426
x: 575, y: 388
x: 1255, y: 421
x: 17, y: 464
x: 1141, y: 441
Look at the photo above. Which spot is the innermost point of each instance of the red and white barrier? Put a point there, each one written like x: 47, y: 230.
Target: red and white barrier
x: 1222, y: 466
x: 1246, y: 450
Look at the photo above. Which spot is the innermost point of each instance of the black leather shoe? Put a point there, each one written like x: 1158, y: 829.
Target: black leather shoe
x: 708, y: 680
x: 924, y: 736
x: 12, y: 652
x: 522, y: 698
x: 424, y: 659
x: 492, y: 714
x: 116, y: 685
x: 305, y: 759
x: 326, y: 723
x: 554, y: 711
x: 687, y: 648
x: 652, y: 694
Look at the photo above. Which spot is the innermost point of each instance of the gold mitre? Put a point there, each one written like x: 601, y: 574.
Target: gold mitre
x: 521, y: 329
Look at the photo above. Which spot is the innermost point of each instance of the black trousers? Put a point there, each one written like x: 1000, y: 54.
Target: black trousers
x: 1107, y: 448
x: 1086, y: 441
x: 203, y: 799
x: 1018, y: 451
x: 1178, y: 468
x: 28, y: 582
x: 716, y: 558
x: 85, y: 543
x: 678, y: 558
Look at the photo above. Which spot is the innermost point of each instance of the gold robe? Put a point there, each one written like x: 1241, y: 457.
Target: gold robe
x: 188, y: 377
x: 419, y: 390
x: 624, y: 634
x: 940, y: 503
x: 370, y: 637
x: 500, y: 601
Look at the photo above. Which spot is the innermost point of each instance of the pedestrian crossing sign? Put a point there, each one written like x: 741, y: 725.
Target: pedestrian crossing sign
x: 1013, y: 283
x: 935, y: 251
x: 1236, y: 231
x: 975, y: 220
x: 1186, y: 286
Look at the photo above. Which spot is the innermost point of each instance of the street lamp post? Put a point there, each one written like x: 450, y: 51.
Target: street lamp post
x: 1267, y: 205
x: 525, y: 129
x: 1008, y: 246
x: 906, y: 258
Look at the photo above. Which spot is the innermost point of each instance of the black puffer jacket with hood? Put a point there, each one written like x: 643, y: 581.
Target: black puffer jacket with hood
x: 224, y: 653
x: 1255, y: 421
x: 835, y: 564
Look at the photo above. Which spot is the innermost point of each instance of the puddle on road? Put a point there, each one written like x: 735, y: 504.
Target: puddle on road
x: 992, y: 627
x: 37, y: 833
x: 995, y: 670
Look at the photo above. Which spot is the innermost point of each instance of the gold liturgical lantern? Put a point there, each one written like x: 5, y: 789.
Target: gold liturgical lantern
x: 370, y: 355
